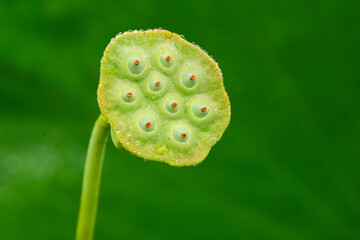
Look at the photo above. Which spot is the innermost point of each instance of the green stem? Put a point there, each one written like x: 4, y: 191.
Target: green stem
x: 91, y: 181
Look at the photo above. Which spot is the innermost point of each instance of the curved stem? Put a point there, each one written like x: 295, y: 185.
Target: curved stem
x: 91, y: 181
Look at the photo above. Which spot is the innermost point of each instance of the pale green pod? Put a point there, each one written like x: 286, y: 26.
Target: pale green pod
x: 178, y: 108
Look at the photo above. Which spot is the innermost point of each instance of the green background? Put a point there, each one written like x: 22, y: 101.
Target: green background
x: 286, y: 168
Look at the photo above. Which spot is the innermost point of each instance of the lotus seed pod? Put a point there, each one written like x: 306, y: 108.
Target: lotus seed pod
x: 163, y: 97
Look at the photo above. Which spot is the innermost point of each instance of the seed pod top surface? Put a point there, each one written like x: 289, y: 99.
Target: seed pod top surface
x: 163, y: 97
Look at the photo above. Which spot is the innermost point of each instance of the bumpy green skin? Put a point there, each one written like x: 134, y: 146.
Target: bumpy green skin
x: 164, y: 142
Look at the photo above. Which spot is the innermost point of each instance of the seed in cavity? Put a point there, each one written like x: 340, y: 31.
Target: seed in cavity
x: 147, y: 123
x: 155, y: 85
x: 200, y: 109
x: 189, y: 79
x: 167, y: 60
x: 136, y: 65
x: 180, y: 133
x: 172, y: 106
x: 128, y: 95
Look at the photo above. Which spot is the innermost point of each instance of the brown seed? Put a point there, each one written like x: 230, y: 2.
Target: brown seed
x: 136, y: 62
x: 168, y: 58
x: 174, y: 104
x: 192, y: 77
x: 157, y: 83
x: 129, y: 94
x: 183, y: 135
x: 203, y: 109
x: 148, y: 124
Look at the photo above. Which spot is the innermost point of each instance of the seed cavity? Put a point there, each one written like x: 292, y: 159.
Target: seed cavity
x: 136, y: 65
x: 167, y: 60
x: 172, y: 106
x: 189, y: 79
x: 180, y: 133
x: 200, y: 109
x: 128, y: 95
x: 147, y: 123
x: 156, y: 85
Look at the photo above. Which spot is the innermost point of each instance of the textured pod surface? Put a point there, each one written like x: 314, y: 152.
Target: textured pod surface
x: 163, y: 97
